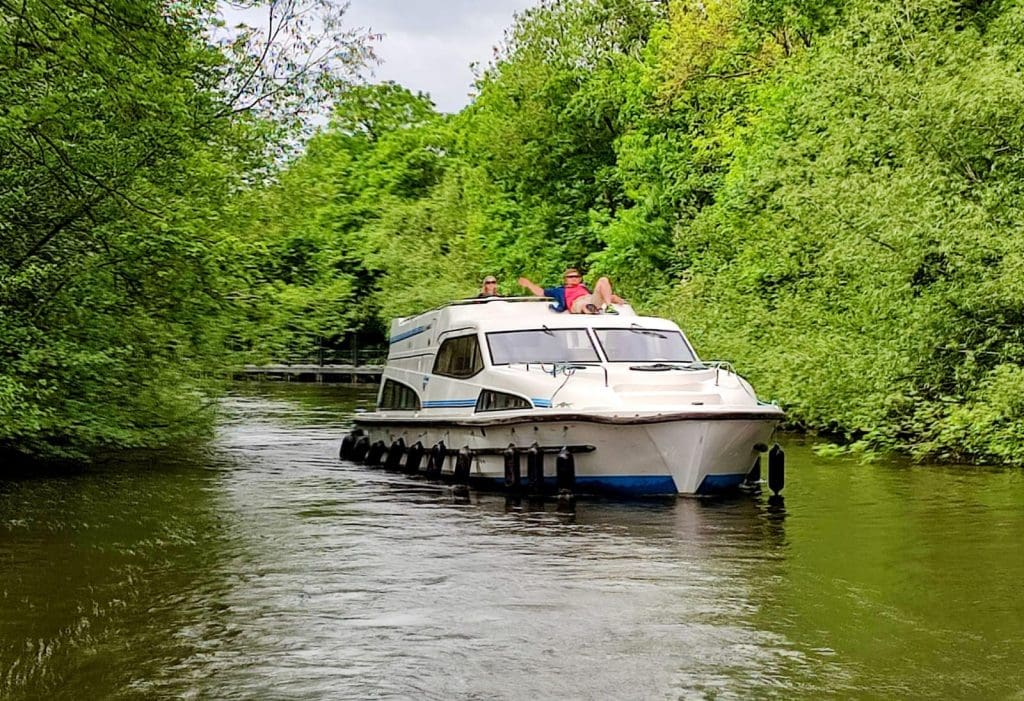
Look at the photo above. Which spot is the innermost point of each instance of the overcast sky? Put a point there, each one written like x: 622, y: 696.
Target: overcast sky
x: 428, y: 45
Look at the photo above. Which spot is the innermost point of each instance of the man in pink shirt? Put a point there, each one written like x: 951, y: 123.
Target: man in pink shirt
x: 574, y: 296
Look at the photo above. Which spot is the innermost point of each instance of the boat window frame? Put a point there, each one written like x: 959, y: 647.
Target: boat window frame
x: 477, y: 364
x: 586, y: 332
x: 635, y: 329
x: 527, y: 404
x: 400, y: 386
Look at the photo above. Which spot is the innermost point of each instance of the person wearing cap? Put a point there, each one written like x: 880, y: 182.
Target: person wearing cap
x: 489, y: 288
x: 573, y: 296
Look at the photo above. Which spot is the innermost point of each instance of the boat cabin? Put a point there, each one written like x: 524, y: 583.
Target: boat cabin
x: 500, y: 353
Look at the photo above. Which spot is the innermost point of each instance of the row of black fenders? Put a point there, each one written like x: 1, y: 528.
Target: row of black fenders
x: 356, y: 446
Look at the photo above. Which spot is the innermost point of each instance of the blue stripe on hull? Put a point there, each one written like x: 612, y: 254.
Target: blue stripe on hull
x: 648, y: 485
x: 639, y: 485
x: 716, y: 484
x: 651, y: 485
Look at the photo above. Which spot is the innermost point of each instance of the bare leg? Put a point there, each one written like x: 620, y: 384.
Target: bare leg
x: 584, y: 305
x: 603, y: 293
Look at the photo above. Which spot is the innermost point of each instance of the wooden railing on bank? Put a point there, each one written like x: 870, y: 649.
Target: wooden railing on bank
x: 323, y: 365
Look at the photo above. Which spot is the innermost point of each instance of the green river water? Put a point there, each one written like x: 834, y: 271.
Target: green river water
x: 263, y: 567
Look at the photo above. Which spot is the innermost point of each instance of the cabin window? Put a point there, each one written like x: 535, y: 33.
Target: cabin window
x: 459, y: 357
x: 637, y: 345
x: 541, y: 346
x: 395, y: 395
x: 489, y: 400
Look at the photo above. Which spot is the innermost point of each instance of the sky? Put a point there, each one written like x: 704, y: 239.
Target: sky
x: 428, y: 45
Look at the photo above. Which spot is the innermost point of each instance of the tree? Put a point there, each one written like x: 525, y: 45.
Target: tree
x: 861, y: 255
x: 121, y: 146
x: 547, y: 118
x: 329, y: 264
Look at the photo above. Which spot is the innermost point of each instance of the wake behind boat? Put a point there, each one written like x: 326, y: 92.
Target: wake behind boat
x: 591, y: 403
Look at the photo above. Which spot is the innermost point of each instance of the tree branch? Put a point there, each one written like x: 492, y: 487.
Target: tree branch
x: 95, y: 180
x: 56, y: 229
x: 729, y: 76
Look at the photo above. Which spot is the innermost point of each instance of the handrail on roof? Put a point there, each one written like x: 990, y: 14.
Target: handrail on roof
x: 488, y: 300
x: 478, y: 300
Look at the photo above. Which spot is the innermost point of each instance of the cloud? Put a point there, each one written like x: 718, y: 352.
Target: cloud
x: 428, y: 45
x: 438, y: 17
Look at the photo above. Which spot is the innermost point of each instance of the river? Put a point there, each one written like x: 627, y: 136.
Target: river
x: 263, y: 567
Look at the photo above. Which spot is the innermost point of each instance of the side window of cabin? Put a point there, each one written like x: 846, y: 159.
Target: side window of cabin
x: 395, y: 395
x: 459, y: 357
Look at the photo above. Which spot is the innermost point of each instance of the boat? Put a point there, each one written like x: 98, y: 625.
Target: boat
x: 608, y: 403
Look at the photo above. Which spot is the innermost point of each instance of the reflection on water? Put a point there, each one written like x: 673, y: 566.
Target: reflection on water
x: 267, y: 568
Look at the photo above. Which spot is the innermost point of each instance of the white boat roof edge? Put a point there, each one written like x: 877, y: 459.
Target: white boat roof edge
x: 518, y: 313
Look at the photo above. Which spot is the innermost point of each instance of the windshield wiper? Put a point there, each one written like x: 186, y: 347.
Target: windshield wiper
x: 646, y: 332
x: 662, y: 367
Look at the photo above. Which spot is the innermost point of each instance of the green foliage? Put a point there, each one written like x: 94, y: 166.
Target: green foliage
x: 545, y: 124
x: 857, y: 257
x: 122, y: 148
x: 327, y: 237
x: 826, y: 192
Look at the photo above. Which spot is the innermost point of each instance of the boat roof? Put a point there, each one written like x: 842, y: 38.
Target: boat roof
x: 513, y: 313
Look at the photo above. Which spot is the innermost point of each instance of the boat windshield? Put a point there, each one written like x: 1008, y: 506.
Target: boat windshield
x: 638, y: 345
x: 541, y: 346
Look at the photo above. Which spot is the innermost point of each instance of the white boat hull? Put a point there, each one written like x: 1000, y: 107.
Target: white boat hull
x: 638, y: 455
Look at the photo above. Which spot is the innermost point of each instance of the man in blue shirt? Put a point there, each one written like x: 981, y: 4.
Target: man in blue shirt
x: 574, y: 296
